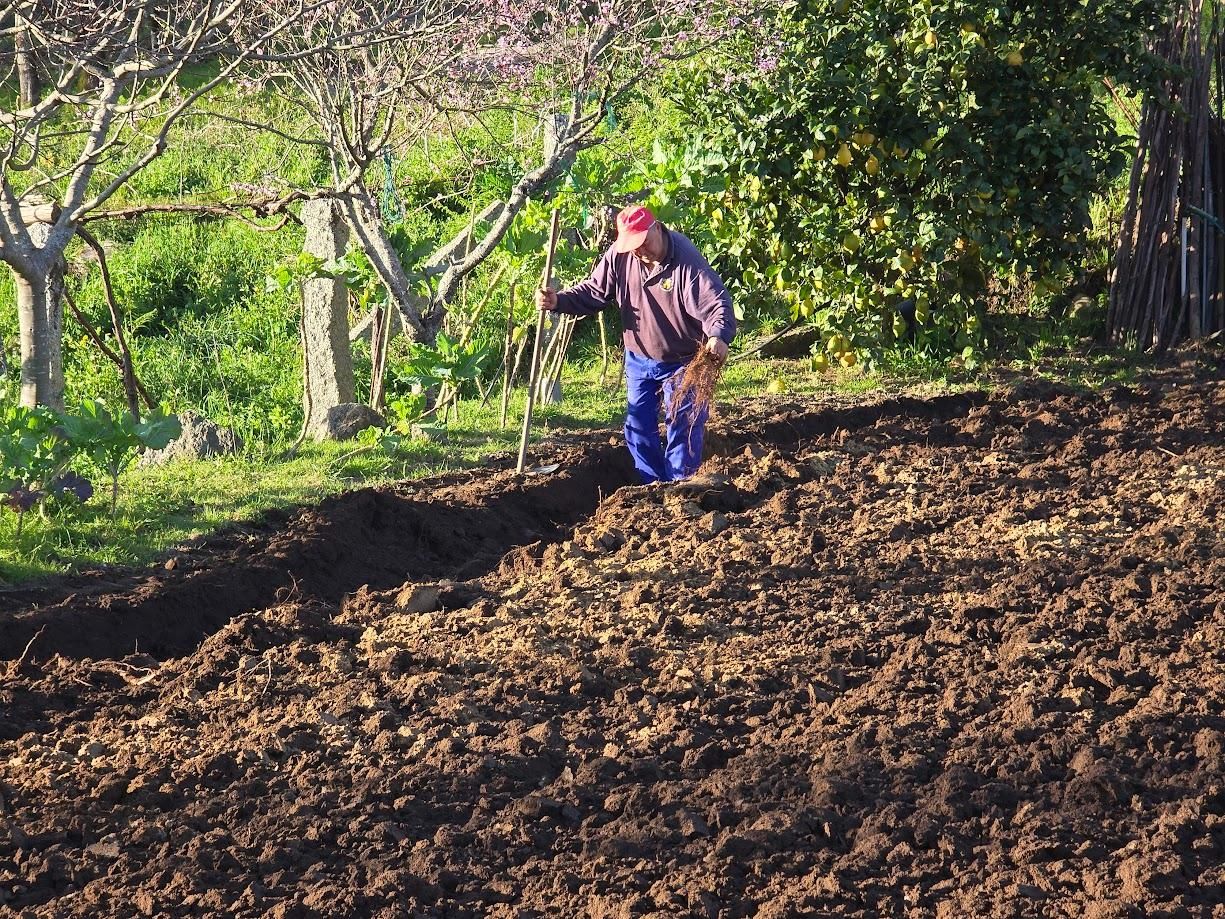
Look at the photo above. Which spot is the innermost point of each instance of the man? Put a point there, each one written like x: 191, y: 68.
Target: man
x: 672, y: 305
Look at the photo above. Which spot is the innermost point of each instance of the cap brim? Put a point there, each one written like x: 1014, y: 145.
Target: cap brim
x: 628, y: 242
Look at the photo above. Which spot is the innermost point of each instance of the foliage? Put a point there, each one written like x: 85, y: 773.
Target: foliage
x: 447, y: 362
x: 675, y: 180
x: 359, y: 276
x: 112, y: 440
x: 34, y: 452
x: 37, y: 445
x: 211, y: 338
x: 887, y: 159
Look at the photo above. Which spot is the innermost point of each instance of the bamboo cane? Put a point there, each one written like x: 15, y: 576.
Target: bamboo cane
x: 1168, y: 279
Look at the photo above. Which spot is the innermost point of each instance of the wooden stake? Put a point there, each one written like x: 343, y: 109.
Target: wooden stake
x: 531, y: 384
x: 507, y: 344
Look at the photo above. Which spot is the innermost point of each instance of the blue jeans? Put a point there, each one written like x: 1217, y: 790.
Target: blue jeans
x: 657, y: 461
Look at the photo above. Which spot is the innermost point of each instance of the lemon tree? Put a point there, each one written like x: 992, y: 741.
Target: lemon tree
x: 887, y: 158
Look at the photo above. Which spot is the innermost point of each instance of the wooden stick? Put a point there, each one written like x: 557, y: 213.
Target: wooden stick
x: 507, y: 344
x: 603, y: 348
x: 557, y: 360
x: 531, y: 384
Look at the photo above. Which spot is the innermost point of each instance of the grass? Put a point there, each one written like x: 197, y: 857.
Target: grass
x: 164, y: 507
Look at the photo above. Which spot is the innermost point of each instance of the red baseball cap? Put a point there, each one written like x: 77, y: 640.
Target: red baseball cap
x: 633, y: 224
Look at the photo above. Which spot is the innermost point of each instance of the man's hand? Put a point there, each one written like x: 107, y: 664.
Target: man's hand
x: 717, y: 347
x: 546, y: 299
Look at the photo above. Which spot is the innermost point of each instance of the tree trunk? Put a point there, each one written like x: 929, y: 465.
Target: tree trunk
x: 363, y: 219
x: 325, y: 322
x: 27, y: 72
x: 40, y: 317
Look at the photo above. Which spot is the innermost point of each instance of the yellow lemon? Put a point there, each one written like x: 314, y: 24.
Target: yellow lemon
x: 930, y: 39
x: 872, y: 165
x: 844, y: 155
x: 851, y: 242
x: 776, y: 387
x: 819, y: 154
x: 1015, y: 59
x: 848, y: 359
x: 820, y: 363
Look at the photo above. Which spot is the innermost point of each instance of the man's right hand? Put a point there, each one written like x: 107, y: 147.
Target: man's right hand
x: 546, y: 299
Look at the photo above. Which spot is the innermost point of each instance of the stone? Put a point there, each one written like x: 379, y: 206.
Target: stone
x: 691, y: 824
x: 347, y: 420
x: 201, y: 439
x: 715, y: 523
x: 791, y: 343
x: 420, y: 599
x: 93, y: 750
x: 325, y: 321
x: 107, y: 847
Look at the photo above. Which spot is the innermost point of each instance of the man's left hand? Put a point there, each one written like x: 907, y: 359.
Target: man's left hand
x: 717, y: 347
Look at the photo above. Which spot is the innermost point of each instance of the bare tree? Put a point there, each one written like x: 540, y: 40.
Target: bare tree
x: 424, y: 65
x: 367, y: 90
x: 577, y: 61
x: 111, y: 94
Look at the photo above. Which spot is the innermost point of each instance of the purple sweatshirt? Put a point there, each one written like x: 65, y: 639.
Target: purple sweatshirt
x: 668, y: 311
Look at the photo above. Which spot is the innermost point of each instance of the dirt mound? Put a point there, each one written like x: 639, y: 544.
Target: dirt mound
x: 957, y: 658
x: 452, y: 526
x: 376, y: 537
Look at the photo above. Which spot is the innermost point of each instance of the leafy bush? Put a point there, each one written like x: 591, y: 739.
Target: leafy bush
x: 112, y: 441
x: 34, y: 453
x: 37, y: 445
x: 887, y: 159
x: 447, y: 362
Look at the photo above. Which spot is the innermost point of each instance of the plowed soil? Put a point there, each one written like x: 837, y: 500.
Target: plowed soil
x: 961, y: 656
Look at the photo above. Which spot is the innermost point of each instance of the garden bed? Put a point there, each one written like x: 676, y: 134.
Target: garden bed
x: 947, y: 657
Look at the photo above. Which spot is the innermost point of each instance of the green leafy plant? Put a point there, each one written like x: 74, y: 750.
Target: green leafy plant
x: 403, y: 413
x: 34, y: 454
x: 887, y: 161
x: 112, y: 441
x: 675, y: 180
x: 446, y: 362
x: 288, y: 274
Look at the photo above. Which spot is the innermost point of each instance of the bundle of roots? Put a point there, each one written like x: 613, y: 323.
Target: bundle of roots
x: 697, y: 386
